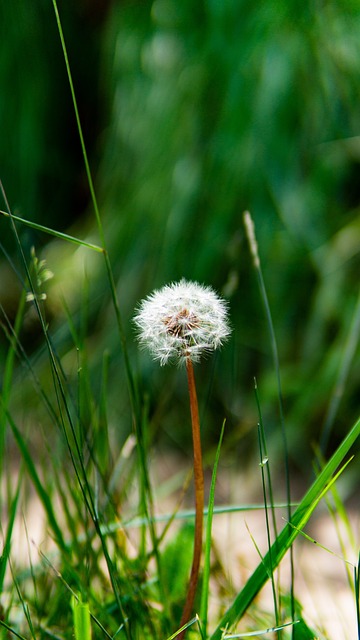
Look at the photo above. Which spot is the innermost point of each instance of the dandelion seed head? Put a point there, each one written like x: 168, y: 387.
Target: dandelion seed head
x: 181, y: 321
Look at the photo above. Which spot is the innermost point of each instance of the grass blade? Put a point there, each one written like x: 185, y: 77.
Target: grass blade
x: 206, y: 572
x: 288, y: 534
x: 11, y: 630
x: 41, y: 491
x: 53, y: 232
x: 7, y: 542
x: 250, y: 231
x: 130, y: 379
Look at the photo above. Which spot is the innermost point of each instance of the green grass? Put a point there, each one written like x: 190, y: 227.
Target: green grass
x: 124, y: 594
x: 78, y: 431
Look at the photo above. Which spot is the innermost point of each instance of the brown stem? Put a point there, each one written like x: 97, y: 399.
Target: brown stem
x: 199, y: 498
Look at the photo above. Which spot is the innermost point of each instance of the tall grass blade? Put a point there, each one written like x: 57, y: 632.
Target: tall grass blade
x: 263, y: 462
x: 207, y: 553
x: 131, y: 383
x: 287, y: 536
x: 250, y: 230
x: 265, y: 469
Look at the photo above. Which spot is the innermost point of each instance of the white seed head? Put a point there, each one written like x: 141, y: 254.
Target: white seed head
x: 181, y: 321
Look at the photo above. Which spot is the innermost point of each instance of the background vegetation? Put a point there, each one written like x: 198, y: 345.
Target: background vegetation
x: 192, y: 112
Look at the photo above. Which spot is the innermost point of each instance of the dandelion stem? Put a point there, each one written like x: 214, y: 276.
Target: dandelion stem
x: 199, y: 497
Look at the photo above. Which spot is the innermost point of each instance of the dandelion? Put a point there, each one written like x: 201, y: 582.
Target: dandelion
x: 180, y: 323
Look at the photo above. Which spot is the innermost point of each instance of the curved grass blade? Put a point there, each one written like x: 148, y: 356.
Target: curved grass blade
x: 287, y: 536
x: 133, y: 391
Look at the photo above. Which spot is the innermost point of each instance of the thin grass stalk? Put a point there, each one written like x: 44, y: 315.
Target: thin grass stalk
x: 63, y: 406
x: 265, y: 455
x: 264, y: 461
x: 11, y: 630
x: 199, y: 496
x: 33, y: 578
x: 206, y: 573
x: 250, y: 230
x: 131, y: 384
x: 24, y: 605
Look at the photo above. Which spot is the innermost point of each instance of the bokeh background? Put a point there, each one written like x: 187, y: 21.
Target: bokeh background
x: 193, y: 112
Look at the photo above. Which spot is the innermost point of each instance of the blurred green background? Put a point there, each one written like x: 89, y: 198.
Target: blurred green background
x: 193, y: 112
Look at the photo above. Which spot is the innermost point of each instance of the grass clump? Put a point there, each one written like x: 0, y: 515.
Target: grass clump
x: 109, y: 567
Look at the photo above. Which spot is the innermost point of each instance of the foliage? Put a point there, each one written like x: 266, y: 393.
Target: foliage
x: 208, y: 108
